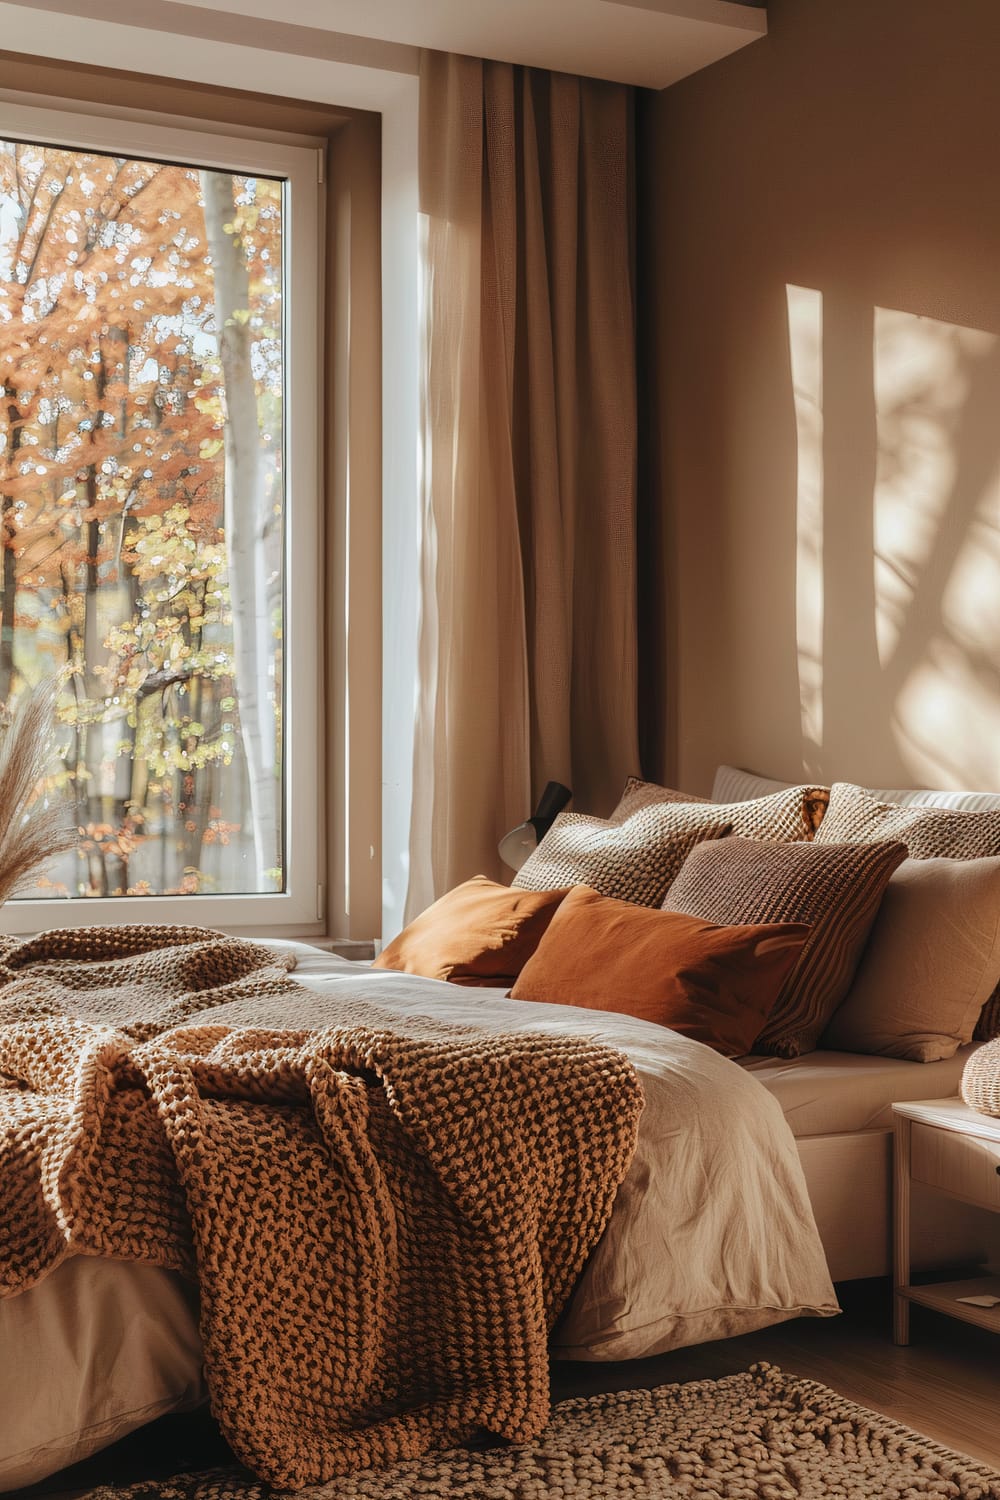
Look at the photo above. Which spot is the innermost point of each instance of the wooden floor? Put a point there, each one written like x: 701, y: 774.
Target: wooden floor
x: 946, y: 1384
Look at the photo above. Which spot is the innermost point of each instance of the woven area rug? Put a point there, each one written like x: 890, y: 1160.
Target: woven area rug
x: 762, y: 1435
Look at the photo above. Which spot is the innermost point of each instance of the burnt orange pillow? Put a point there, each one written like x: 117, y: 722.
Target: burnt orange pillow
x: 479, y: 933
x: 716, y: 984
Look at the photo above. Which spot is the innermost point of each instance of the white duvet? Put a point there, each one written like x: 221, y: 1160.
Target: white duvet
x: 712, y: 1235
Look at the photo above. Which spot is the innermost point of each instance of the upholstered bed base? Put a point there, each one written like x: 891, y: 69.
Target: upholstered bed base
x: 849, y: 1178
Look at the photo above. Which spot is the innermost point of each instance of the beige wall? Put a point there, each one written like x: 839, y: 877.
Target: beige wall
x: 821, y: 253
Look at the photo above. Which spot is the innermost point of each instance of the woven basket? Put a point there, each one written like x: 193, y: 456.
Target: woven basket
x: 980, y: 1086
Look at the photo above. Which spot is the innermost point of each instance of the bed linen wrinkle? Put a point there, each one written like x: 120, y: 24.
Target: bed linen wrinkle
x: 711, y: 1141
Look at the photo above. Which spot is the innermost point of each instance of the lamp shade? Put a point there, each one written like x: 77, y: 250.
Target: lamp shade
x: 516, y: 845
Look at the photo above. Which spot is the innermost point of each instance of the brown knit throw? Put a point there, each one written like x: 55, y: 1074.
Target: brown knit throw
x: 385, y: 1215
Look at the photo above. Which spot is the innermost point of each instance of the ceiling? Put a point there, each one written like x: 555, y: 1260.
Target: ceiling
x: 651, y: 43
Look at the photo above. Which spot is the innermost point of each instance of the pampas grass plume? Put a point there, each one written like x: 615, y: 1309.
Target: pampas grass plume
x: 31, y: 831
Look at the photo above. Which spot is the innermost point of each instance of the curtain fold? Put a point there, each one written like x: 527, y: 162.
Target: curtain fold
x: 527, y: 644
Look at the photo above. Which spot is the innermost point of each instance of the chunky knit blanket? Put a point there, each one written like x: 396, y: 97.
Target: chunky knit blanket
x: 384, y: 1216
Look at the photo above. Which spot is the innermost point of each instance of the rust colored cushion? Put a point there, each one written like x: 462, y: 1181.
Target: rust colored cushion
x: 480, y: 933
x: 715, y: 984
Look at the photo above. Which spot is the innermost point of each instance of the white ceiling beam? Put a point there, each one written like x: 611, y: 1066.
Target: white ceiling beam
x: 648, y: 42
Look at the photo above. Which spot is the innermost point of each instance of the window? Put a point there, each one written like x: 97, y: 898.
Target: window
x: 159, y: 317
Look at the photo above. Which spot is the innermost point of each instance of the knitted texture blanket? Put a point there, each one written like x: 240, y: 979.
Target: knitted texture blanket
x: 384, y: 1215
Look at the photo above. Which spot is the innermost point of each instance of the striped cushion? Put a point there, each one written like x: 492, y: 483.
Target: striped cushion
x: 793, y: 813
x: 958, y: 801
x: 836, y: 888
x: 635, y: 860
x: 735, y: 785
x: 857, y: 816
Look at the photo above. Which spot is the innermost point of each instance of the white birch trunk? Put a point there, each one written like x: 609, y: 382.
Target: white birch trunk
x: 244, y: 522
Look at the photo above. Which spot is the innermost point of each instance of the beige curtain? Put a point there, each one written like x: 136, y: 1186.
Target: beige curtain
x: 527, y: 648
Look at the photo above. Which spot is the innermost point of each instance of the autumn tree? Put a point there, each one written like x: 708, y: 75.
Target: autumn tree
x: 115, y: 504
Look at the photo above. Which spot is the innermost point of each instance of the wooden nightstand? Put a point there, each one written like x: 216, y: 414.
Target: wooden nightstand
x: 948, y: 1146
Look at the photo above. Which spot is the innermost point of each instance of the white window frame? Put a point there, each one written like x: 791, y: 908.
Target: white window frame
x: 298, y: 909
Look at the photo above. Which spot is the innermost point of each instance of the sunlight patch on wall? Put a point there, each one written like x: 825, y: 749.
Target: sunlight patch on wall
x: 948, y: 724
x: 805, y: 338
x: 937, y: 544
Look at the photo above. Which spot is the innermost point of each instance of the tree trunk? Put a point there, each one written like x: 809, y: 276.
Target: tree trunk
x: 8, y: 585
x: 244, y: 522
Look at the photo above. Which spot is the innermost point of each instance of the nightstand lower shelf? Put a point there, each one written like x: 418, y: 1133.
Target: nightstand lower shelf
x: 944, y: 1145
x: 942, y: 1295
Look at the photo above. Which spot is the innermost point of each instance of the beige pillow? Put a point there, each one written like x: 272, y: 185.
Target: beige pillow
x: 859, y: 815
x: 635, y: 860
x: 794, y: 812
x: 834, y: 888
x: 931, y: 962
x: 856, y: 816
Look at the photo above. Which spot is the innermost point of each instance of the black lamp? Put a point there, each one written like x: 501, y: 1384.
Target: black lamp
x: 515, y: 846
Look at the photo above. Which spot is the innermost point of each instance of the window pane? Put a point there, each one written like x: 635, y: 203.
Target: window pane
x: 141, y: 505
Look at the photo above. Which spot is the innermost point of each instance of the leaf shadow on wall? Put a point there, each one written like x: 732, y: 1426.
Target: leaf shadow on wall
x: 898, y: 544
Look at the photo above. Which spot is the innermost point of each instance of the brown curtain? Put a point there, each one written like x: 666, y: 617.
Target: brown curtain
x: 527, y: 649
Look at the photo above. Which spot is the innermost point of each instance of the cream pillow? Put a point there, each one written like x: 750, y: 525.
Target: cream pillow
x: 931, y: 962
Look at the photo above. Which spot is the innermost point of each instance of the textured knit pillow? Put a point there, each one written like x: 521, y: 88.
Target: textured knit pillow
x: 792, y: 813
x: 478, y: 934
x: 835, y: 888
x: 931, y: 961
x: 640, y: 793
x: 856, y: 816
x: 715, y: 984
x: 634, y: 860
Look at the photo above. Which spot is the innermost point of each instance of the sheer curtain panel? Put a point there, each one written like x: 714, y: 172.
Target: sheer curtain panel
x: 527, y: 646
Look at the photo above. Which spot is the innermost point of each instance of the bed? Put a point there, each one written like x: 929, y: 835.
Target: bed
x: 755, y: 1184
x: 838, y: 1106
x: 115, y: 1344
